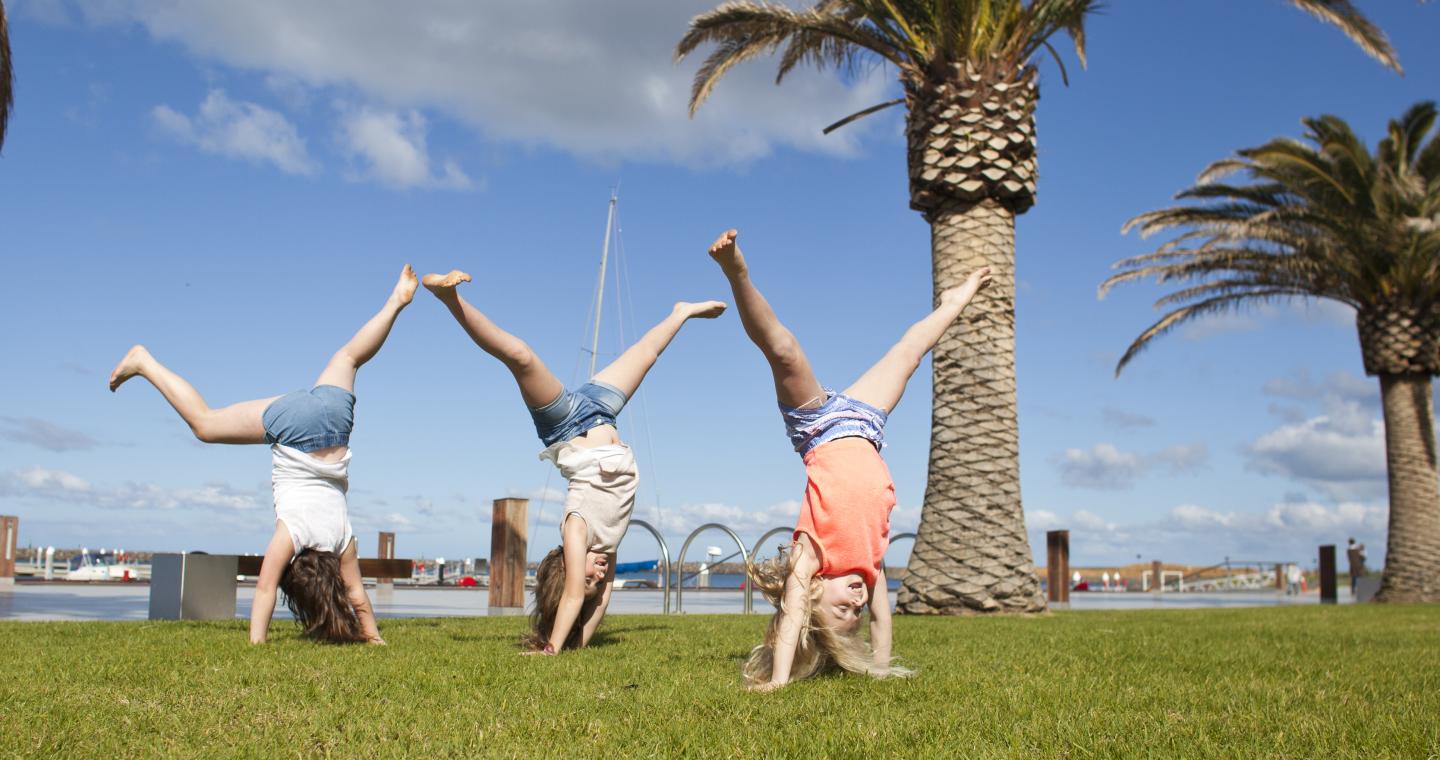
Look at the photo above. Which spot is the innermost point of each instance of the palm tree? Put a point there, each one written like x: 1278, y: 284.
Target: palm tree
x: 967, y: 71
x: 1330, y: 220
x: 5, y: 74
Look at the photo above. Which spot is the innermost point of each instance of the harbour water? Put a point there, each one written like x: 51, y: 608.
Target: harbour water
x: 130, y: 601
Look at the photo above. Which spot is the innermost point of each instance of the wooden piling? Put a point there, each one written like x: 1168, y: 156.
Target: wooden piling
x: 1157, y: 576
x: 10, y: 535
x: 386, y: 550
x: 1328, y: 592
x: 1057, y: 567
x: 509, y: 529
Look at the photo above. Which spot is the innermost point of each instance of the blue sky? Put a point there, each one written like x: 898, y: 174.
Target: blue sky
x: 236, y: 185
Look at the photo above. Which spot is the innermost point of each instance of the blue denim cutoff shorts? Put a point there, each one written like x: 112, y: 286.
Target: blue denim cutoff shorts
x: 575, y: 412
x: 839, y: 417
x: 310, y: 420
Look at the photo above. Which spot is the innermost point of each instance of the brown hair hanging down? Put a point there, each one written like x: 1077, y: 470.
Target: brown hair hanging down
x: 315, y: 593
x: 549, y: 585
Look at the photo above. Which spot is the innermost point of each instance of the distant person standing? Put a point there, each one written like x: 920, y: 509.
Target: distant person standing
x: 1293, y: 578
x: 1356, y: 554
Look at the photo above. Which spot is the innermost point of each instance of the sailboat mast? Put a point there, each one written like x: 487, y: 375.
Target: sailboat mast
x: 600, y: 289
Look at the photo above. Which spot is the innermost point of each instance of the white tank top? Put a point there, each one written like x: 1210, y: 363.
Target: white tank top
x: 603, y: 482
x: 310, y: 498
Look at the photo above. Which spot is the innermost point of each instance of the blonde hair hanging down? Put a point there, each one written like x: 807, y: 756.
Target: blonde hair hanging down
x: 821, y: 649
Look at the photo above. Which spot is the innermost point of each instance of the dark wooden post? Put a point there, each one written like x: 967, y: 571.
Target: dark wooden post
x: 386, y: 550
x: 1057, y: 567
x: 10, y: 536
x: 1279, y: 577
x: 509, y: 529
x: 1327, y: 574
x: 1157, y: 575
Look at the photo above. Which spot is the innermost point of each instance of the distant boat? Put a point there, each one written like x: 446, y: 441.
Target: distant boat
x: 98, y: 566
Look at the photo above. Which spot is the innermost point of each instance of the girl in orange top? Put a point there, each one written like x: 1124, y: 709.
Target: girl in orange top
x: 832, y: 572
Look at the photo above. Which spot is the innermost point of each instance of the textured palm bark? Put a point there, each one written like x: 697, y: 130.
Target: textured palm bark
x: 971, y: 553
x: 1412, y: 551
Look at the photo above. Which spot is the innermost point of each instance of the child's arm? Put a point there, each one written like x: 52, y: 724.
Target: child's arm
x: 573, y: 535
x: 267, y: 586
x: 355, y: 590
x: 880, y: 621
x: 795, y: 602
x: 598, y: 614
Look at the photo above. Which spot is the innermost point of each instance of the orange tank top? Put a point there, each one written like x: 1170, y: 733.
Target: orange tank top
x: 846, y: 512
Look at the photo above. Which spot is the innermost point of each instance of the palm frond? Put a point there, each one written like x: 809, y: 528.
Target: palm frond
x: 1353, y: 24
x: 1323, y: 218
x: 1184, y: 314
x: 7, y: 75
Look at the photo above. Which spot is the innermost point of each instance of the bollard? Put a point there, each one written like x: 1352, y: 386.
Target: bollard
x: 385, y: 587
x: 49, y: 563
x: 1328, y: 593
x: 1057, y: 567
x: 509, y: 528
x: 10, y: 532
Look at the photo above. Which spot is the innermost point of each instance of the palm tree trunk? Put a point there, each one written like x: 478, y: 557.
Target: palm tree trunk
x: 1412, y: 551
x: 971, y: 553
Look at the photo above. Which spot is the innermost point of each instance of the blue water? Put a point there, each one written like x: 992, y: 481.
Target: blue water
x: 717, y: 580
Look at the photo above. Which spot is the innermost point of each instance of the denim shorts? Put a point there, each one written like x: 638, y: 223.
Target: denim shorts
x: 573, y: 413
x: 839, y: 417
x: 310, y: 420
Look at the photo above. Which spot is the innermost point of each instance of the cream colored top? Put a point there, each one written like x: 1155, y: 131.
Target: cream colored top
x: 603, y: 481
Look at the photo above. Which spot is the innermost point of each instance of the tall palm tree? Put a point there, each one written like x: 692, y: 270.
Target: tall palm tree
x: 967, y: 71
x: 5, y: 74
x: 1330, y: 220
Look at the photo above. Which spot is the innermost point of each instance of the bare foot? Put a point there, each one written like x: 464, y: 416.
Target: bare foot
x: 405, y: 288
x: 962, y: 293
x: 702, y: 310
x: 129, y: 366
x: 727, y: 254
x: 443, y: 285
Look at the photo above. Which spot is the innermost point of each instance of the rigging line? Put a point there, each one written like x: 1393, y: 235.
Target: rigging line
x: 591, y: 320
x: 623, y: 263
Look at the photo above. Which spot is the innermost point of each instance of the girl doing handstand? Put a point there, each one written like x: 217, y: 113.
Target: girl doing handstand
x: 833, y: 570
x: 574, y: 581
x: 311, y: 556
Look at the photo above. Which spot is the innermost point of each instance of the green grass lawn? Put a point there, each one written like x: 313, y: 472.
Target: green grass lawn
x: 1274, y: 682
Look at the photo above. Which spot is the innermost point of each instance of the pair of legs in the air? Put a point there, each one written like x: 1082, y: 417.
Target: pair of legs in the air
x: 242, y: 424
x: 795, y: 384
x: 538, y: 385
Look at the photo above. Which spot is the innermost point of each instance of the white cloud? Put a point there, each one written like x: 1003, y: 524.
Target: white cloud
x: 1103, y: 467
x: 45, y: 434
x: 1307, y: 517
x: 1181, y: 460
x: 1193, y: 517
x: 57, y: 485
x: 391, y: 145
x: 1123, y: 420
x: 1197, y: 534
x: 1343, y: 455
x: 1107, y: 468
x: 238, y: 129
x: 592, y: 79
